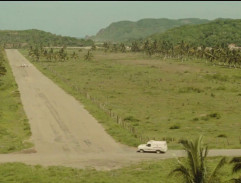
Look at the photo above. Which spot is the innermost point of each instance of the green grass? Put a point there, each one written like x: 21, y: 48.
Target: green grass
x: 154, y: 95
x: 14, y: 126
x: 151, y: 172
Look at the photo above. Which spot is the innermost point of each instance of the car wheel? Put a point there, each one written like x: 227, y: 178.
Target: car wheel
x: 141, y: 151
x: 158, y: 152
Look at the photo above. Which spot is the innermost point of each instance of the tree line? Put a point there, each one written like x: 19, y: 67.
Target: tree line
x: 220, y: 54
x: 38, y: 52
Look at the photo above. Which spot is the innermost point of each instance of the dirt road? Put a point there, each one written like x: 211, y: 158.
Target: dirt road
x: 63, y: 132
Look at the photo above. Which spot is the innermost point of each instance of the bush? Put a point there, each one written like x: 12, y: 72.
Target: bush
x: 222, y: 136
x: 181, y: 141
x: 211, y: 115
x: 175, y: 127
x: 215, y: 115
x: 130, y: 118
x: 195, y: 119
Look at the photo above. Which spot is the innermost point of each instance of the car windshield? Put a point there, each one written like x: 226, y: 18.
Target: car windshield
x: 148, y: 145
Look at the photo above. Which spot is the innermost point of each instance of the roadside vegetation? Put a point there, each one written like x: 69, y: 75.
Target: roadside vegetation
x: 14, y: 126
x: 151, y: 172
x: 157, y: 97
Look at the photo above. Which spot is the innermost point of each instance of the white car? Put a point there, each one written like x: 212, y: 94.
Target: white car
x: 153, y: 146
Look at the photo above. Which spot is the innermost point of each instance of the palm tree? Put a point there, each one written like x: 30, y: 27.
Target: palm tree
x: 122, y: 48
x: 88, y: 56
x: 236, y: 168
x: 135, y: 47
x: 106, y: 46
x: 114, y: 48
x: 195, y: 169
x: 93, y: 47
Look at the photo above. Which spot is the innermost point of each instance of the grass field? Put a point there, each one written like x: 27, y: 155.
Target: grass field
x: 14, y: 126
x: 161, y: 99
x: 151, y: 172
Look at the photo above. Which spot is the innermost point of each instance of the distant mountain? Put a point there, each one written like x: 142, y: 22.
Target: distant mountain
x: 128, y: 30
x: 217, y: 32
x: 12, y: 38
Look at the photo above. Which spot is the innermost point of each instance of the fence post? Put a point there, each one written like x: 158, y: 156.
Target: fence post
x: 227, y: 140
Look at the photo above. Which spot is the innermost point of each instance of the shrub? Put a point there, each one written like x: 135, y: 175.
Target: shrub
x: 222, y: 136
x: 130, y: 118
x: 11, y: 148
x: 195, y: 119
x: 215, y: 115
x: 211, y: 115
x: 176, y: 126
x: 180, y: 141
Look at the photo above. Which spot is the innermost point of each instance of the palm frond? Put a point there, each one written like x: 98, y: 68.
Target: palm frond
x: 183, y: 171
x: 235, y: 160
x: 237, y: 164
x: 237, y: 167
x: 236, y: 180
x: 221, y: 163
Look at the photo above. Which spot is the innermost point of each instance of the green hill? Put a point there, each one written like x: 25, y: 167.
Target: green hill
x: 217, y: 32
x: 128, y: 30
x: 21, y: 38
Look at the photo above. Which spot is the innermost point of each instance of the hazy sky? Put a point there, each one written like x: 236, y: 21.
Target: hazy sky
x: 80, y: 18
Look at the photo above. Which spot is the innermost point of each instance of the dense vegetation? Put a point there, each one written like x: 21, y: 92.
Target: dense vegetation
x: 128, y: 30
x: 23, y: 38
x: 161, y: 96
x: 218, y: 32
x: 14, y: 126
